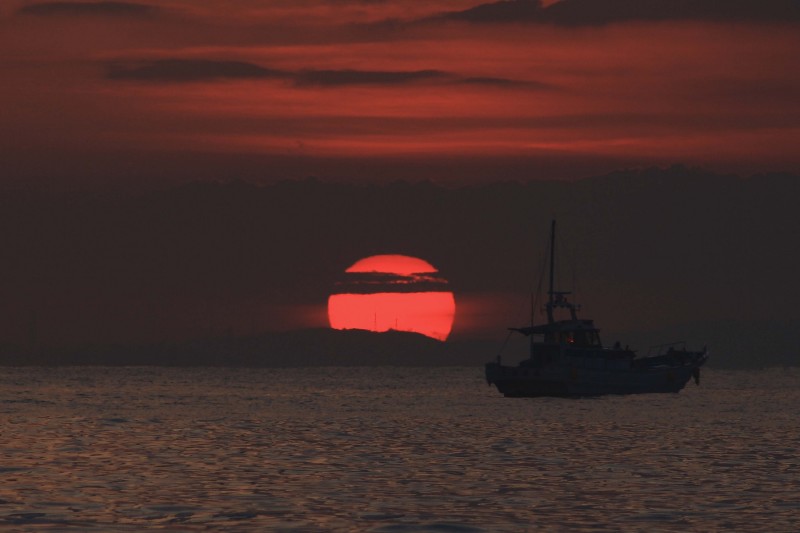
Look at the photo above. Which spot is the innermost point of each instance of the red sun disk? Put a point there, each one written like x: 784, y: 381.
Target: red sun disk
x: 428, y: 312
x: 403, y: 265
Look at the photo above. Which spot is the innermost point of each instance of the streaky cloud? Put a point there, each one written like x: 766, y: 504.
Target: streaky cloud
x: 189, y: 70
x: 372, y: 282
x: 507, y: 83
x: 605, y: 12
x: 110, y: 9
x: 328, y: 78
x: 178, y: 70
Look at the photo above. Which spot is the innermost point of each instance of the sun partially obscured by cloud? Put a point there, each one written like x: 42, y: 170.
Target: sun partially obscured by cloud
x: 88, y: 85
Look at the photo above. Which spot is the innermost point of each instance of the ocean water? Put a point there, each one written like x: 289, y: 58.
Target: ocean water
x: 390, y: 450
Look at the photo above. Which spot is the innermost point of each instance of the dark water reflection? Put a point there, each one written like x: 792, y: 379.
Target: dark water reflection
x: 390, y: 450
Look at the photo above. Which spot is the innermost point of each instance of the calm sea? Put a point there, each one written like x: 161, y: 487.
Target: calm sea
x: 390, y: 449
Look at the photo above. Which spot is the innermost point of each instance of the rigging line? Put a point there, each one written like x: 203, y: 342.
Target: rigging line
x: 542, y: 271
x: 565, y: 256
x: 535, y: 297
x: 505, y: 343
x: 574, y: 276
x: 569, y: 250
x: 535, y: 301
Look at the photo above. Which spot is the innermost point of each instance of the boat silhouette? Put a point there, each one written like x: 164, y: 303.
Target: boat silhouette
x: 567, y: 358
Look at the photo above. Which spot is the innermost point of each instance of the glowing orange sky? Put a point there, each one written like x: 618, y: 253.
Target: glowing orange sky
x: 354, y: 80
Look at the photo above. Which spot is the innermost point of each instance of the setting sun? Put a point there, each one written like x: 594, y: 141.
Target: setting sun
x: 393, y: 292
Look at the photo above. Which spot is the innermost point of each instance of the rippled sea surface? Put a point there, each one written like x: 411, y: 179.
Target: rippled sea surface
x: 390, y: 449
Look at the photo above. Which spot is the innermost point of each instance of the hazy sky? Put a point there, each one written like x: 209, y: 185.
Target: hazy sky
x: 142, y: 95
x: 139, y: 93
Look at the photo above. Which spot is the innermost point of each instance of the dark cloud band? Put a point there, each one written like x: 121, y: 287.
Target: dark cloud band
x: 188, y: 70
x: 194, y: 70
x: 373, y: 282
x: 360, y: 77
x: 111, y: 9
x: 603, y: 12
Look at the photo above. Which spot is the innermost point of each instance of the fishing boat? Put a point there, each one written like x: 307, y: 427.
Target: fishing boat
x: 567, y: 358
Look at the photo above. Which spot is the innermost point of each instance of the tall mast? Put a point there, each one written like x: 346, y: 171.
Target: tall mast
x: 551, y: 293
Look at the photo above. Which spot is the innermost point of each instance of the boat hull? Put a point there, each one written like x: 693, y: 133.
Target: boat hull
x: 575, y: 382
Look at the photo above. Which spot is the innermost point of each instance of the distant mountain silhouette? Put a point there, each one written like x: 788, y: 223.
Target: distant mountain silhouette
x: 733, y: 345
x: 300, y: 348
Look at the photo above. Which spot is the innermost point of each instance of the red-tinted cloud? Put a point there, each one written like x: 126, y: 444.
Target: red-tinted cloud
x: 361, y: 90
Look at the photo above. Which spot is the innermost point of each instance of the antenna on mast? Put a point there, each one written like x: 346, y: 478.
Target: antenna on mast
x: 551, y: 292
x: 557, y: 298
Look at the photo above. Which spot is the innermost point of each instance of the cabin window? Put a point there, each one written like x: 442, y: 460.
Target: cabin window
x: 589, y: 338
x: 567, y: 338
x: 580, y: 338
